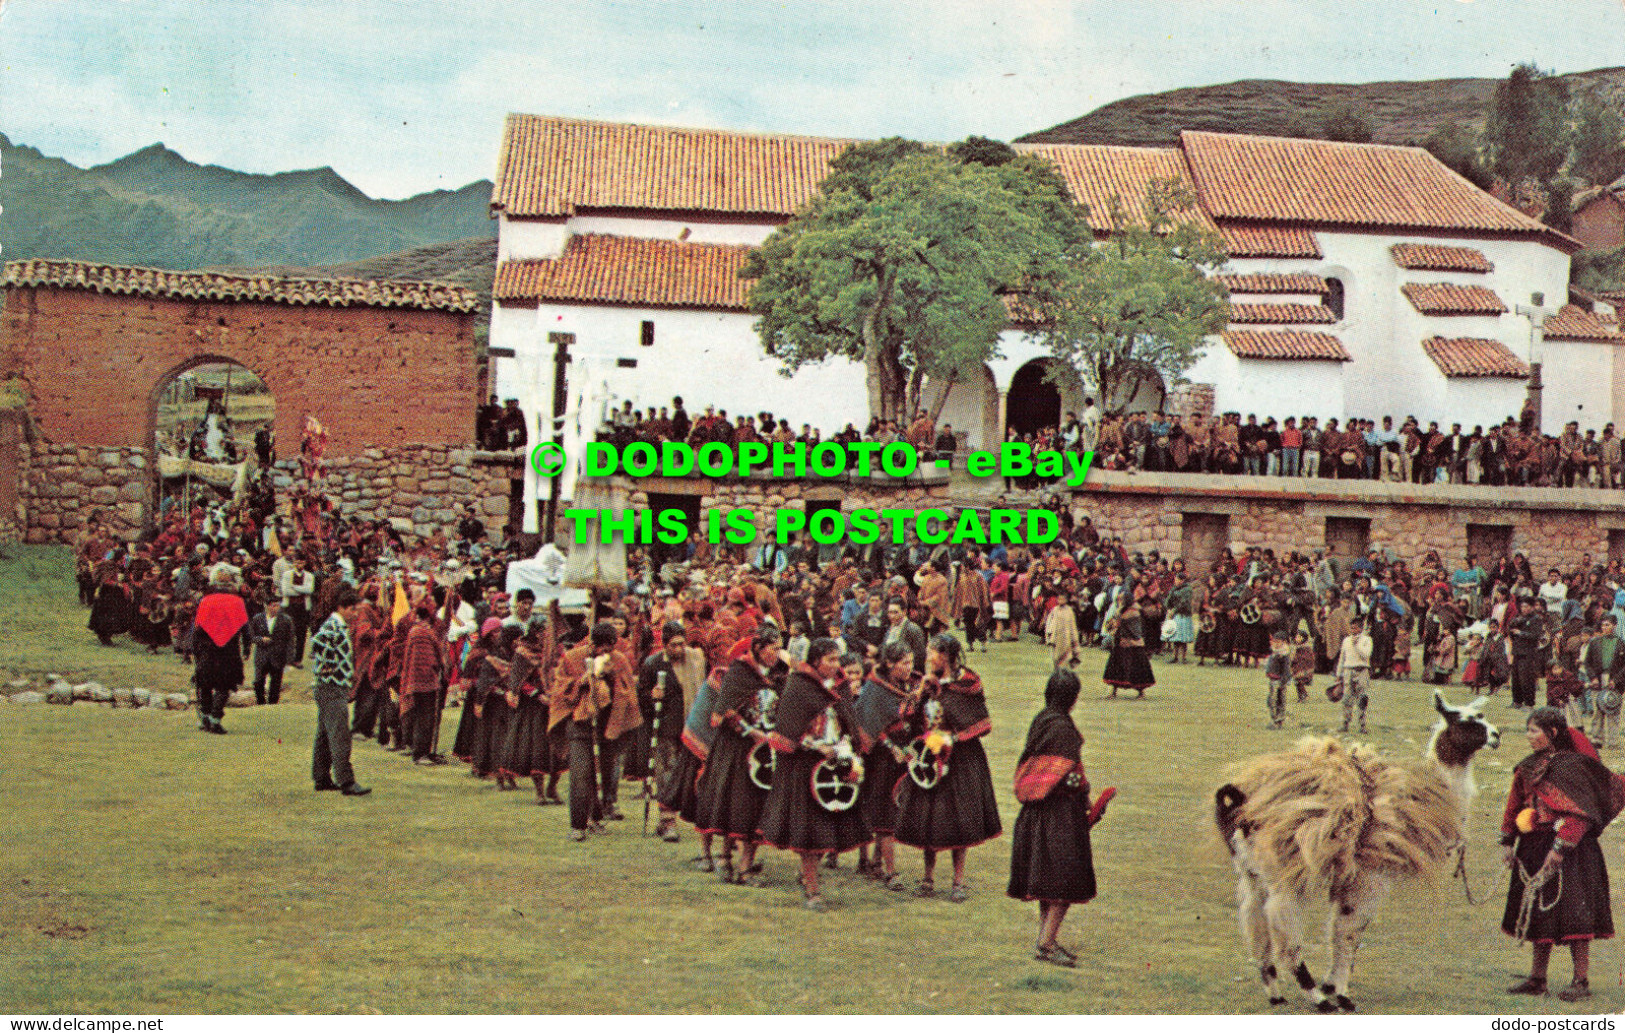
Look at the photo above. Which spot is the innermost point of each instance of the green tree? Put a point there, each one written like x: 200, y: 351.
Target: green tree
x: 1559, y: 214
x: 1525, y: 135
x: 1143, y: 300
x: 910, y: 261
x: 1457, y: 148
x: 1596, y: 139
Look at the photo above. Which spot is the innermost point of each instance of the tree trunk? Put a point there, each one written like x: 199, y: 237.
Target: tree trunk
x: 942, y: 400
x: 881, y: 372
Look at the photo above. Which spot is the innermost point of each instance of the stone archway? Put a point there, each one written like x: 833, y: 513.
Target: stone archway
x: 1038, y: 399
x: 205, y: 414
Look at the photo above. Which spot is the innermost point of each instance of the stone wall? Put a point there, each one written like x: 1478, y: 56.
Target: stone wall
x: 62, y: 486
x: 418, y: 487
x: 1197, y: 516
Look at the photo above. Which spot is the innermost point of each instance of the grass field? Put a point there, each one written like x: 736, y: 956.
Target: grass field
x: 150, y: 868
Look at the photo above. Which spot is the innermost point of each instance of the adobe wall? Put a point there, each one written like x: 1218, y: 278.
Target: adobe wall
x: 92, y: 362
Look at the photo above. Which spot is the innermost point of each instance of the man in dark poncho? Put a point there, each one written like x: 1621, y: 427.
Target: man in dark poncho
x: 670, y: 675
x: 218, y: 646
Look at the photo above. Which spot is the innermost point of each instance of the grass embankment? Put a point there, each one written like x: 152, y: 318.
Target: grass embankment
x: 149, y: 867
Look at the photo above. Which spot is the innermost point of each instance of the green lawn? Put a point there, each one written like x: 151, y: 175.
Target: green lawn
x: 150, y: 868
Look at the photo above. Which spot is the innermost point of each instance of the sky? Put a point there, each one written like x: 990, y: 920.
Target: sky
x: 403, y: 97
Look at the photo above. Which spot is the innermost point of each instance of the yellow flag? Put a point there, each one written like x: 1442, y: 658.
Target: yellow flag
x: 402, y: 607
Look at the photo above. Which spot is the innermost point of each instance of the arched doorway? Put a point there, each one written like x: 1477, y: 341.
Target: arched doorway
x: 1034, y: 401
x: 207, y: 443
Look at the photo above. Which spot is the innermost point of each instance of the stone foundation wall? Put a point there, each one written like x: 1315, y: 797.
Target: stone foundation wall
x: 417, y: 487
x: 1196, y: 517
x: 62, y: 486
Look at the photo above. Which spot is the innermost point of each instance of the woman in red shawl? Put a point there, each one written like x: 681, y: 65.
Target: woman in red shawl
x: 1562, y: 797
x: 1050, y: 859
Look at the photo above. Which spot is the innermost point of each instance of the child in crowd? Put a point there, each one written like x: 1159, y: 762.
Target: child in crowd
x: 1303, y: 664
x: 1278, y: 670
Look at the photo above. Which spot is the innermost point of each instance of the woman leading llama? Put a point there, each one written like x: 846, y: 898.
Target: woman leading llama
x: 1562, y: 797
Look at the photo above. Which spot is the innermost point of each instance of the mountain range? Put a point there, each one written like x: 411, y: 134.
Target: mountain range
x: 156, y: 208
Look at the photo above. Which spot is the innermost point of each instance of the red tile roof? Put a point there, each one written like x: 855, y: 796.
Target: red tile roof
x: 1285, y: 344
x: 1279, y: 313
x: 1322, y: 182
x: 1441, y: 258
x: 1474, y: 357
x: 1096, y: 174
x: 1573, y: 323
x: 1274, y: 283
x: 1253, y: 241
x: 206, y: 286
x: 609, y: 270
x: 1450, y: 299
x: 553, y: 167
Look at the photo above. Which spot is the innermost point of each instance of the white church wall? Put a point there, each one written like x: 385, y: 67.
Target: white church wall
x: 699, y: 232
x: 1578, y: 379
x: 707, y: 358
x: 530, y: 238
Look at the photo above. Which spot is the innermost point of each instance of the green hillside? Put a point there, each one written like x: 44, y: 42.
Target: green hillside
x: 1398, y: 112
x: 155, y: 208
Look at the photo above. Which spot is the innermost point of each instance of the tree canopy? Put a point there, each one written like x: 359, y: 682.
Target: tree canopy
x: 1143, y: 300
x: 911, y: 259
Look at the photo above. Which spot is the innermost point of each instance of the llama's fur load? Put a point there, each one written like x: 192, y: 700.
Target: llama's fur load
x: 1321, y: 814
x: 1338, y: 824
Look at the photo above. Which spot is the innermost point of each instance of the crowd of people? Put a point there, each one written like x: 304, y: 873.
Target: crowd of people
x: 814, y: 699
x: 1512, y: 453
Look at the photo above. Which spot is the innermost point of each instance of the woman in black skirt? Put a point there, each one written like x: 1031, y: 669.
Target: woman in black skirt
x: 729, y: 803
x: 526, y: 750
x: 959, y: 810
x: 468, y: 725
x: 1129, y: 666
x: 815, y: 724
x: 113, y: 612
x: 880, y: 712
x: 497, y: 706
x: 1050, y: 858
x: 1561, y: 799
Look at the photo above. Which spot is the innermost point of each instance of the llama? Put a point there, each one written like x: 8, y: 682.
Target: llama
x: 1341, y: 823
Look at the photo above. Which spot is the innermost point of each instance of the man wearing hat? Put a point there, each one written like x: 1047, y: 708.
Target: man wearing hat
x: 667, y: 678
x: 595, y: 693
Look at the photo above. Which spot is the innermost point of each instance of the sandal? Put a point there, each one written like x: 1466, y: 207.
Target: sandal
x: 925, y: 889
x: 1052, y: 956
x: 815, y: 904
x: 1532, y: 987
x: 704, y: 864
x: 1578, y: 990
x: 895, y: 882
x: 958, y: 894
